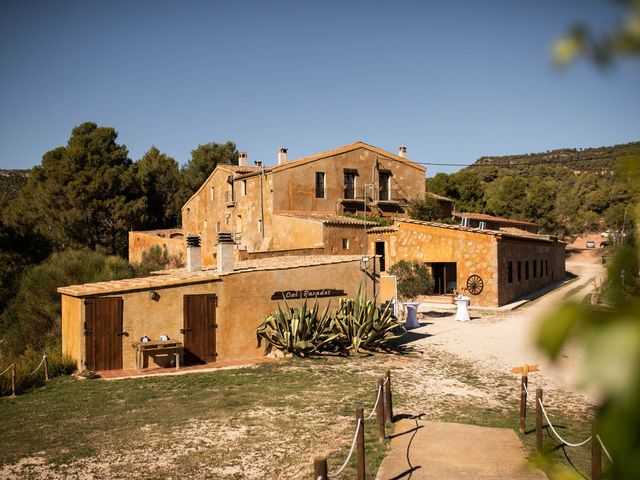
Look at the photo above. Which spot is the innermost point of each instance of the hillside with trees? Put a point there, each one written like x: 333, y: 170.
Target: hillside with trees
x: 566, y: 192
x: 66, y: 221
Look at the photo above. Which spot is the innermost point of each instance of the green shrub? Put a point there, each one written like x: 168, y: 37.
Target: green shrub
x: 32, y: 318
x: 413, y: 279
x: 360, y: 325
x: 58, y: 365
x: 299, y: 331
x: 157, y: 258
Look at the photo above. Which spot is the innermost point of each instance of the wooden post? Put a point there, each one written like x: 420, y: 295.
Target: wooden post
x: 523, y: 402
x: 538, y: 421
x: 388, y: 404
x: 13, y: 380
x: 596, y: 454
x: 320, y: 468
x: 380, y: 409
x: 46, y: 368
x: 360, y: 474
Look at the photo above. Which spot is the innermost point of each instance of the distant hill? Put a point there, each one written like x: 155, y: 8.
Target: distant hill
x: 10, y: 182
x: 597, y: 160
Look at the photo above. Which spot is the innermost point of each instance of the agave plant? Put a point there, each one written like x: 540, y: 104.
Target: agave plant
x: 360, y: 325
x: 299, y: 331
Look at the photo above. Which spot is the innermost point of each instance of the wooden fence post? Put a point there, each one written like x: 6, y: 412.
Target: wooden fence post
x: 320, y: 468
x: 523, y: 402
x: 388, y: 404
x: 380, y: 409
x: 596, y: 454
x: 13, y: 380
x: 538, y: 421
x: 360, y: 474
x: 46, y: 368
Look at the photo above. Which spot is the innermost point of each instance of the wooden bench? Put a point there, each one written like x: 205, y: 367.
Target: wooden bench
x: 159, y: 346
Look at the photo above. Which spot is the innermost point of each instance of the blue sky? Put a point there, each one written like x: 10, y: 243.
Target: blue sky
x: 451, y: 80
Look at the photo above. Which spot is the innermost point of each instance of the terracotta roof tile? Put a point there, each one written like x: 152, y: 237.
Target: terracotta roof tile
x: 325, y: 217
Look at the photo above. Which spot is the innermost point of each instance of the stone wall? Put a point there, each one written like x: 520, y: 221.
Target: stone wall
x: 473, y: 253
x: 544, y: 261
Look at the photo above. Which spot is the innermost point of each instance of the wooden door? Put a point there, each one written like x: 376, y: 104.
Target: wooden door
x: 199, y: 328
x: 103, y: 333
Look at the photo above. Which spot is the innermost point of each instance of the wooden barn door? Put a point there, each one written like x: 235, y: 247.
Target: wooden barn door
x: 103, y: 333
x: 199, y: 328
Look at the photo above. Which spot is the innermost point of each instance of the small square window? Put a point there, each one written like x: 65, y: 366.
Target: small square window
x: 244, y: 187
x: 345, y: 244
x: 510, y: 272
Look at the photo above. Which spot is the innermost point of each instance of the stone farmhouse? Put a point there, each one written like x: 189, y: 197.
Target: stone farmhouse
x: 254, y: 235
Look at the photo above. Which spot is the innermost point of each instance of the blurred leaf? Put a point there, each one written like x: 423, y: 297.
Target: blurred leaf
x: 556, y: 327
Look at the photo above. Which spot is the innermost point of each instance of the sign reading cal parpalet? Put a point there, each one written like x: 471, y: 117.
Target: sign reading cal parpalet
x: 319, y: 293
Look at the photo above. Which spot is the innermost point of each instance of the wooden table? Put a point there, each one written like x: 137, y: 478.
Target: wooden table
x: 155, y: 347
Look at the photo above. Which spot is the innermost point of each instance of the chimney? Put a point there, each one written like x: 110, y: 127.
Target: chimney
x: 225, y: 252
x: 402, y: 151
x: 282, y: 155
x: 194, y: 263
x: 243, y: 159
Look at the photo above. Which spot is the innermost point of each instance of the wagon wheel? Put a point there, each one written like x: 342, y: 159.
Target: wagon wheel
x: 475, y: 284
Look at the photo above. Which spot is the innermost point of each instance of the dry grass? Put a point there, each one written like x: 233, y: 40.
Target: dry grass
x: 262, y: 422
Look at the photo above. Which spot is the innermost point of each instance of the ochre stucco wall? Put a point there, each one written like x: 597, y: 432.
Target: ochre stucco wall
x: 294, y: 188
x: 73, y: 328
x: 243, y: 299
x: 292, y: 232
x: 140, y: 242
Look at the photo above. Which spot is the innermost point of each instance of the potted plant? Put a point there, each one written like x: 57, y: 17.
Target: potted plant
x: 413, y: 279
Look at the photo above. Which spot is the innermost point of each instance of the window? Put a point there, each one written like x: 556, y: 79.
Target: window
x: 510, y: 272
x: 384, y: 181
x: 541, y: 268
x: 218, y: 227
x: 188, y: 212
x: 211, y: 192
x: 546, y: 268
x: 205, y: 223
x: 526, y: 270
x: 535, y: 268
x: 320, y: 184
x: 482, y: 225
x: 519, y: 270
x: 244, y: 187
x: 350, y: 184
x: 345, y: 244
x: 464, y: 222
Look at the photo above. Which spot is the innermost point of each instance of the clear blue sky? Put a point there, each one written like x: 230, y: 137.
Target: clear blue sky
x: 451, y: 80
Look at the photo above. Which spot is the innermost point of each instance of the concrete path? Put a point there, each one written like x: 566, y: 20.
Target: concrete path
x: 423, y: 450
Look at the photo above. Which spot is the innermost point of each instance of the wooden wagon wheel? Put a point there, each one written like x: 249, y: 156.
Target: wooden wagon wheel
x: 475, y: 285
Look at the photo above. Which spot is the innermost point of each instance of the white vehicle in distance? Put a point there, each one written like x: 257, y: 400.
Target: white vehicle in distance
x: 605, y: 234
x: 591, y: 244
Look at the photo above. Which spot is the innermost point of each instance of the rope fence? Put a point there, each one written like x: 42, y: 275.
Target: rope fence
x: 8, y: 368
x: 353, y: 445
x: 383, y: 411
x: 596, y: 449
x: 13, y: 366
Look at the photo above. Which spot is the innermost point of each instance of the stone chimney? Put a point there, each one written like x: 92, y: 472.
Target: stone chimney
x: 194, y: 261
x: 402, y: 151
x: 282, y: 156
x: 243, y: 159
x: 225, y: 252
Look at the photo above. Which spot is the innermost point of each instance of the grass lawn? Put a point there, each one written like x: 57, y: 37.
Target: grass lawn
x: 265, y: 421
